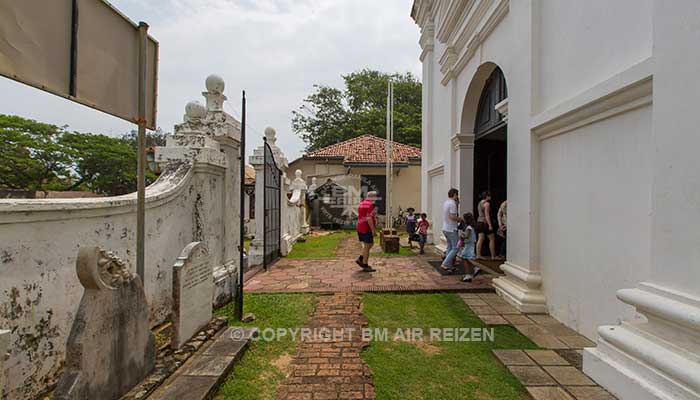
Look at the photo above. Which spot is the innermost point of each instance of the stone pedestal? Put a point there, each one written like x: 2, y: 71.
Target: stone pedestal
x: 110, y: 348
x: 389, y: 241
x: 522, y: 287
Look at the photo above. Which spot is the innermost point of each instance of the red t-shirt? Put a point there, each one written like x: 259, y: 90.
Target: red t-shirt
x: 364, y: 213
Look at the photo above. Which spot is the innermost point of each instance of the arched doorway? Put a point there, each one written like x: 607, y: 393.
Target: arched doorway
x: 490, y: 147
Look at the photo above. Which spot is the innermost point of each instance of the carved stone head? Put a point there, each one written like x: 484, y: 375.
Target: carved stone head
x: 100, y: 269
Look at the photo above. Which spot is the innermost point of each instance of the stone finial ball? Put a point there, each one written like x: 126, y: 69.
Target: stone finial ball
x: 297, y: 173
x: 215, y: 84
x: 195, y: 110
x: 270, y: 133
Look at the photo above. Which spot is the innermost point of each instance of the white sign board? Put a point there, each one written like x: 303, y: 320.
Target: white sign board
x: 83, y: 50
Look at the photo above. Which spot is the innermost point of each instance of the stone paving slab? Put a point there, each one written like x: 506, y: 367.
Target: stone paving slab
x: 589, y: 393
x: 202, y: 374
x: 548, y: 393
x: 330, y: 275
x: 546, y: 357
x: 548, y: 376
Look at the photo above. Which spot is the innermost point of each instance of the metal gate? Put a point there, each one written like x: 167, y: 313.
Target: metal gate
x: 271, y: 201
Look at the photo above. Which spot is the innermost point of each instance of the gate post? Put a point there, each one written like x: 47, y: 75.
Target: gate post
x: 257, y: 160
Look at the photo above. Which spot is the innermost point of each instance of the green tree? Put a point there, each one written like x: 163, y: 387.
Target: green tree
x: 102, y: 164
x: 156, y: 138
x: 38, y: 156
x: 31, y: 157
x: 331, y: 115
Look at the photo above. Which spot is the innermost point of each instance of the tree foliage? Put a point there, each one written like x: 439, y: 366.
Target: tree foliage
x: 42, y: 157
x: 331, y: 115
x: 31, y: 157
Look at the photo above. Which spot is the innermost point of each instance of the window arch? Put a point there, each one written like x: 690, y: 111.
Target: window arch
x: 495, y: 91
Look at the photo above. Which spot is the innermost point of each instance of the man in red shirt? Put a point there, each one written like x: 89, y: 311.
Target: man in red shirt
x: 366, y: 225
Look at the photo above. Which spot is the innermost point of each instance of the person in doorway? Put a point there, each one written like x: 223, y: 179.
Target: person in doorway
x: 366, y: 225
x: 423, y: 226
x: 502, y: 217
x: 449, y: 228
x: 484, y: 228
x: 411, y: 220
x: 468, y: 235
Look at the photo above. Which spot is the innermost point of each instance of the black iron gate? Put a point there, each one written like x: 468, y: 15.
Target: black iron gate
x: 271, y: 201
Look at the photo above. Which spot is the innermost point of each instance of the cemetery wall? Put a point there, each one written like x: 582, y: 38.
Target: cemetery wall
x: 194, y: 199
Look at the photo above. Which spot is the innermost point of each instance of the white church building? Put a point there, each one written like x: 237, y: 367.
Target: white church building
x: 585, y: 115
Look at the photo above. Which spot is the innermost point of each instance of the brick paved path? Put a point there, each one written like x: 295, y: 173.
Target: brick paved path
x: 328, y: 275
x: 349, y: 247
x: 331, y: 368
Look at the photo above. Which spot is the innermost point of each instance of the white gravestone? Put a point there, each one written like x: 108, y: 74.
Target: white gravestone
x: 193, y: 289
x: 4, y: 345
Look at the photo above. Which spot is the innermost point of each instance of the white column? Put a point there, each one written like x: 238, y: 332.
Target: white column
x: 660, y: 358
x: 257, y: 160
x: 463, y: 147
x: 427, y: 60
x: 256, y: 250
x: 522, y: 284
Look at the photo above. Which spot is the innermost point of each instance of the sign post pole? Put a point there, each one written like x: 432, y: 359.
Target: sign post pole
x: 141, y: 178
x: 239, y: 288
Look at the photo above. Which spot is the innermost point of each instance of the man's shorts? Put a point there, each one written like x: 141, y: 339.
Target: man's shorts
x: 366, y: 237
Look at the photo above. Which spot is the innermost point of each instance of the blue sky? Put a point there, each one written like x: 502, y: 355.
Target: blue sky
x: 274, y: 49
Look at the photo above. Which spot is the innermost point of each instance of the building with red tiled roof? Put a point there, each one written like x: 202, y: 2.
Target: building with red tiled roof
x: 359, y: 165
x: 366, y: 150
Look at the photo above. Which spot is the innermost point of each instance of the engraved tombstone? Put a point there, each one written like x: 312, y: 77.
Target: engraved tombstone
x: 193, y: 290
x: 110, y: 347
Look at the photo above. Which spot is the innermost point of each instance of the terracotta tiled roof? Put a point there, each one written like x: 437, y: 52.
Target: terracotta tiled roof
x: 365, y: 149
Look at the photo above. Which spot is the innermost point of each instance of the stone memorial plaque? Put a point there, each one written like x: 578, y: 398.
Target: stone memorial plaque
x: 193, y: 290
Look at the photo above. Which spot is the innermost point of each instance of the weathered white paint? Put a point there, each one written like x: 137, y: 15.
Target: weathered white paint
x: 4, y: 346
x: 195, y: 199
x: 602, y: 168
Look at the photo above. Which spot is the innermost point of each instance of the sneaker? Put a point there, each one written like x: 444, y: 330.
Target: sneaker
x: 367, y: 268
x: 476, y: 271
x: 467, y: 278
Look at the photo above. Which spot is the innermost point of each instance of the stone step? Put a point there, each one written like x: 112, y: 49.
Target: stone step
x: 205, y: 371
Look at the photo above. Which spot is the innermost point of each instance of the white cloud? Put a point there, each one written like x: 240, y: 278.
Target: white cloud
x: 274, y: 49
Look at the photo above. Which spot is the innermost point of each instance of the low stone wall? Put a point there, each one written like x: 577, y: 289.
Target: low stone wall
x: 194, y: 199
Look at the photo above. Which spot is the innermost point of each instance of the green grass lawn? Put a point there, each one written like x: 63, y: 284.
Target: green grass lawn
x: 317, y: 246
x: 325, y: 246
x: 263, y: 366
x: 437, y: 370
